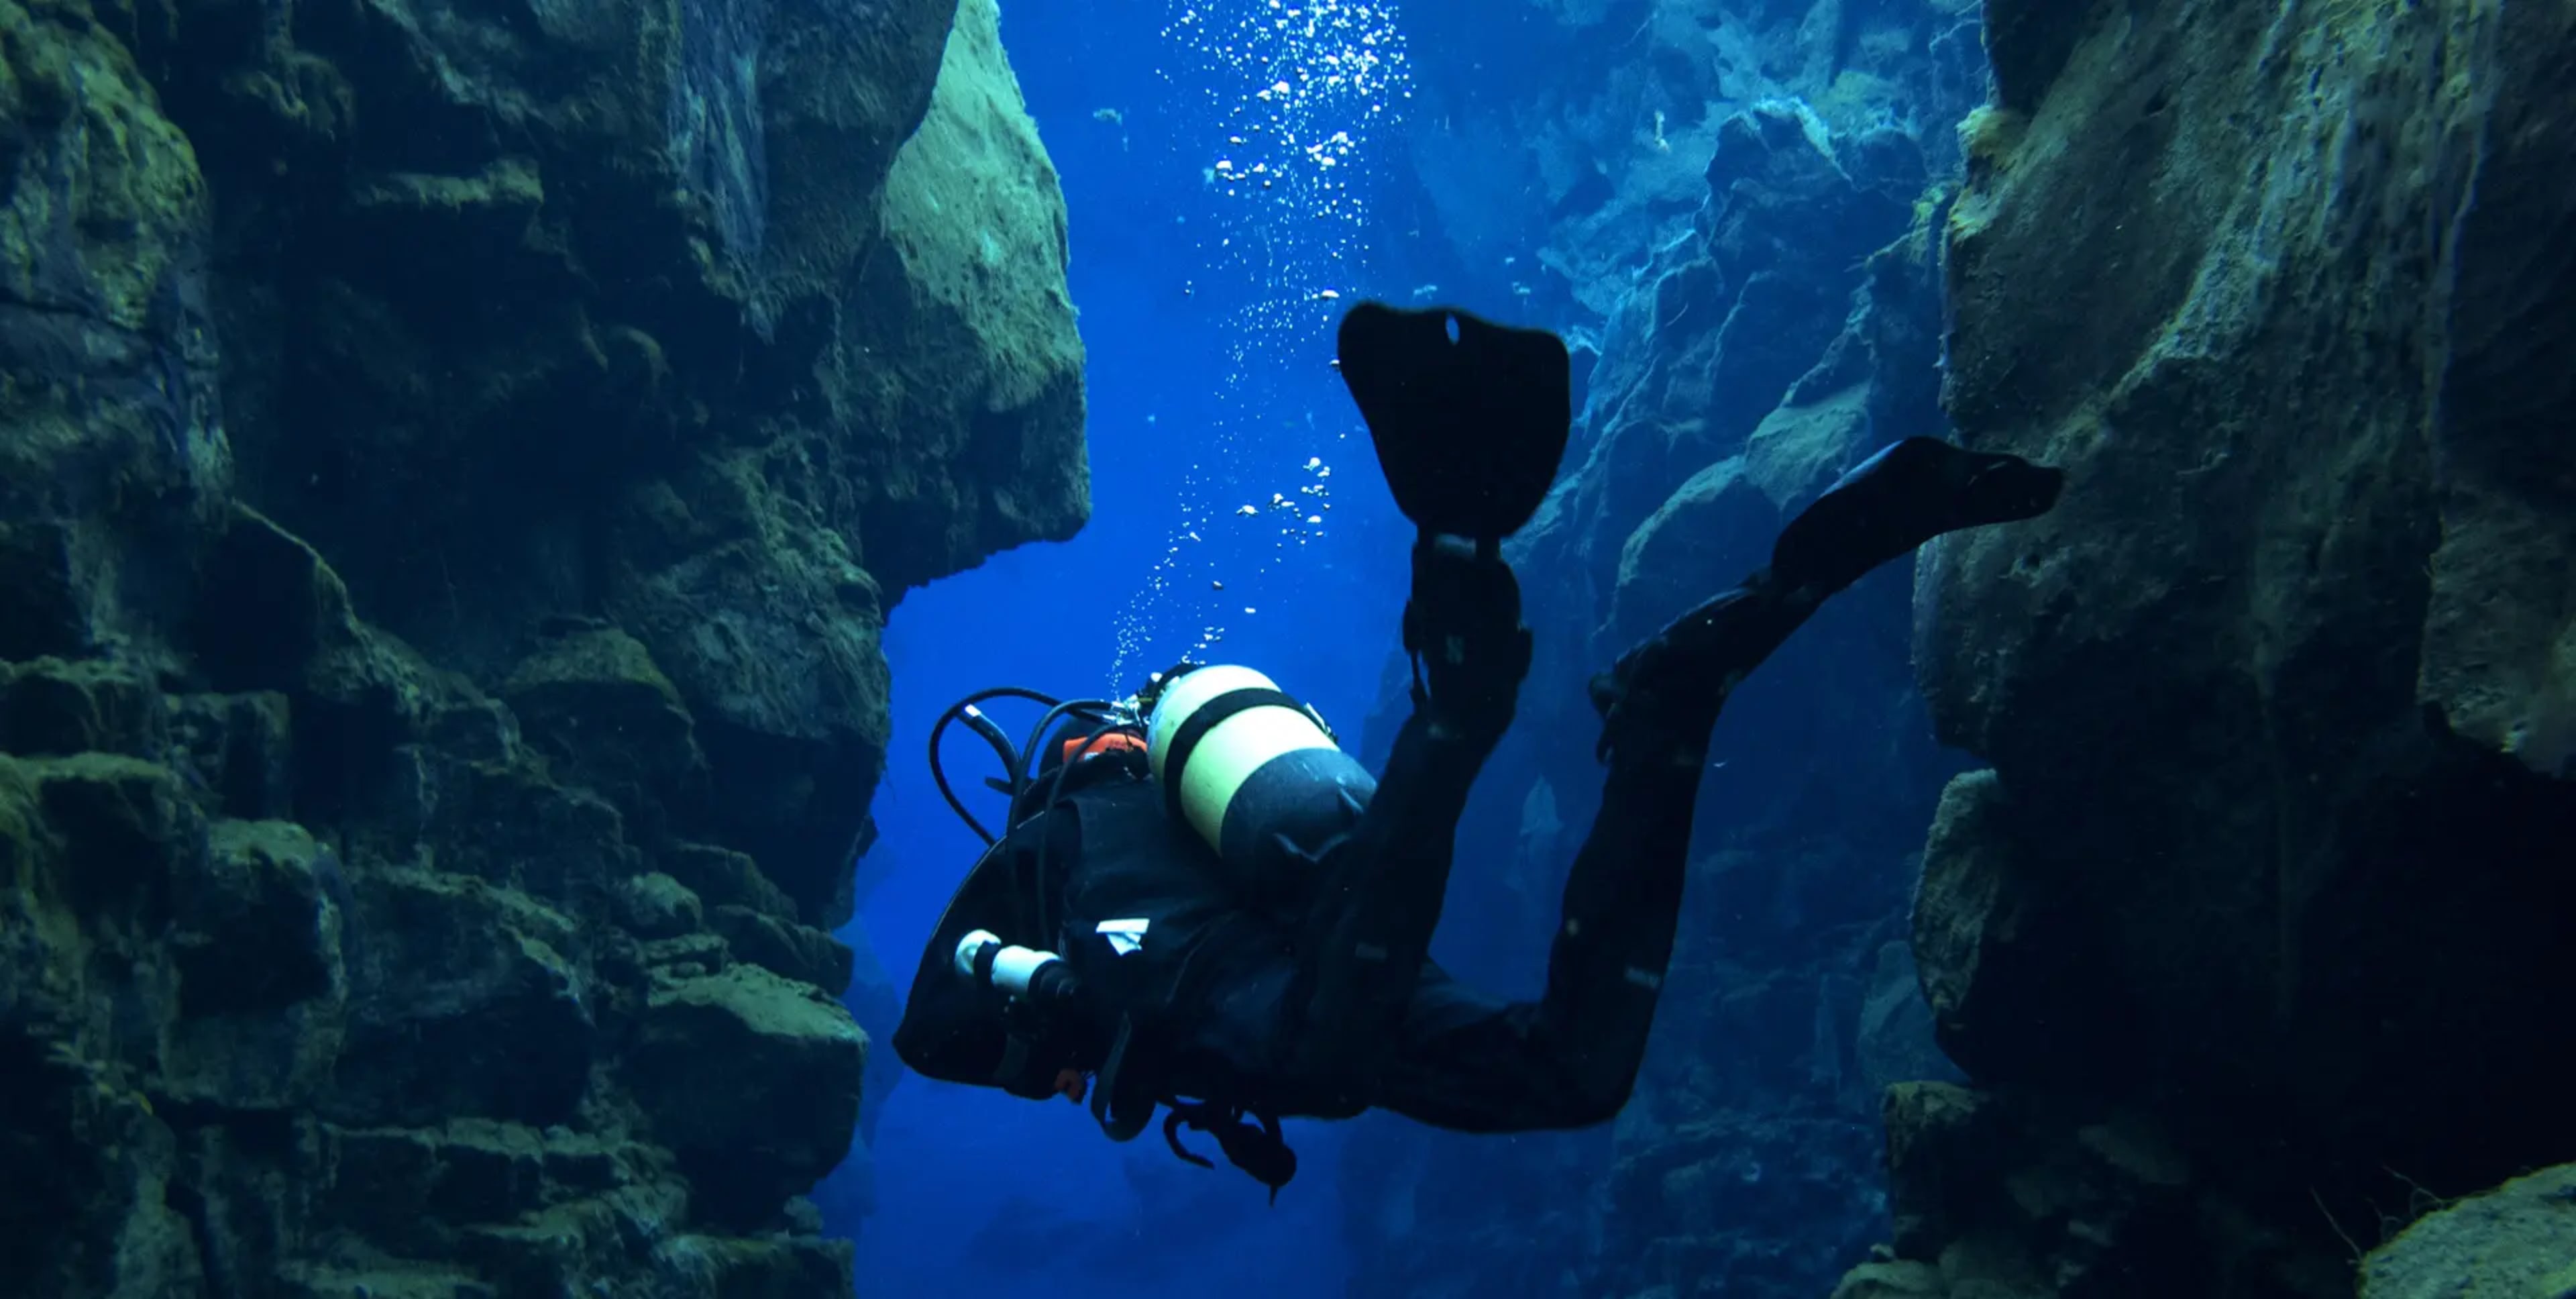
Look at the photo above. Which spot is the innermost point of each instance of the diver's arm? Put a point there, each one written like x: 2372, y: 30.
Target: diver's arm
x: 1463, y: 629
x: 1383, y: 881
x: 1379, y: 899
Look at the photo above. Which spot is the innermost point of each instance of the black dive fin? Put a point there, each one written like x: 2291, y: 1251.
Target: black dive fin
x: 1898, y: 499
x: 1469, y: 417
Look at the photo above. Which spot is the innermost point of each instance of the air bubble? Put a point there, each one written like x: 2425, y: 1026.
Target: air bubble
x: 1298, y: 90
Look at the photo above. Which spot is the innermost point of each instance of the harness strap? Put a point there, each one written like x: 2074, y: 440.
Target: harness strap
x: 1117, y: 1114
x: 1259, y: 1151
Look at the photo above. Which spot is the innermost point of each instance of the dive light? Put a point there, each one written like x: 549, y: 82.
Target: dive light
x: 1015, y: 971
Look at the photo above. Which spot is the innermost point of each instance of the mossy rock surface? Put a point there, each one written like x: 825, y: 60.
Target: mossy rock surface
x: 2275, y: 697
x: 2517, y: 1241
x: 753, y: 1080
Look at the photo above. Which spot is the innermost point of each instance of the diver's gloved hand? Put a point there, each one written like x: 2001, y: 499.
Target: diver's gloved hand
x: 1463, y: 628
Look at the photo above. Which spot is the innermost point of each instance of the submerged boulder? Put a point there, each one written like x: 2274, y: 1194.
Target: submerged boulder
x: 593, y: 702
x: 471, y: 1007
x: 258, y: 952
x: 2518, y: 1239
x: 754, y: 1081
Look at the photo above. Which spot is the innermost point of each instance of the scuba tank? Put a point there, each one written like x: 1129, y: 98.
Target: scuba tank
x: 1257, y: 775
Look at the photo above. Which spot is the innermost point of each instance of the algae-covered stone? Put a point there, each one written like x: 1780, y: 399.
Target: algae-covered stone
x: 26, y: 948
x: 2278, y: 690
x: 1895, y: 1041
x: 259, y: 1015
x: 2517, y: 1241
x: 724, y: 878
x: 109, y: 430
x: 654, y: 905
x: 510, y: 825
x: 838, y: 97
x: 549, y: 1249
x: 94, y: 850
x: 473, y: 729
x: 593, y: 702
x: 258, y: 930
x: 785, y: 948
x: 52, y: 707
x: 1929, y: 1125
x: 127, y: 834
x: 778, y: 1267
x: 1988, y: 943
x: 87, y: 1164
x: 1709, y: 524
x: 2033, y: 1197
x: 684, y: 956
x: 698, y: 266
x: 773, y: 638
x: 1893, y: 1280
x: 391, y: 1279
x: 471, y: 1008
x: 1770, y: 349
x: 411, y: 1188
x: 1779, y: 337
x: 237, y: 750
x: 622, y: 271
x: 275, y: 615
x: 975, y: 297
x: 754, y: 1081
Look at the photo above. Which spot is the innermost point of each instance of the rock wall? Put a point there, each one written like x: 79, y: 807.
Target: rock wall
x: 1567, y: 139
x: 1759, y: 337
x: 454, y: 462
x: 2254, y: 937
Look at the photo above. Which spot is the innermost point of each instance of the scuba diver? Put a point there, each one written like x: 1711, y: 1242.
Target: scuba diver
x: 1200, y: 902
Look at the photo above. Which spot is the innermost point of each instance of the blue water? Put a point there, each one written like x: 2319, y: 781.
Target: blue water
x: 976, y: 1188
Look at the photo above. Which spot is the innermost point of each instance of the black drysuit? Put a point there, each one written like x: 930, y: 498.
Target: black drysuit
x: 1322, y: 1002
x: 1338, y: 1010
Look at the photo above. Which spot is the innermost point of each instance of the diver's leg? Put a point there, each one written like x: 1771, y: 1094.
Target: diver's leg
x: 1380, y: 886
x: 1905, y: 495
x: 1623, y: 896
x: 1568, y: 1060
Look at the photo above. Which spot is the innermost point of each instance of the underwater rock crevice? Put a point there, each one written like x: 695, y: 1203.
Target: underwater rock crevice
x: 1766, y: 276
